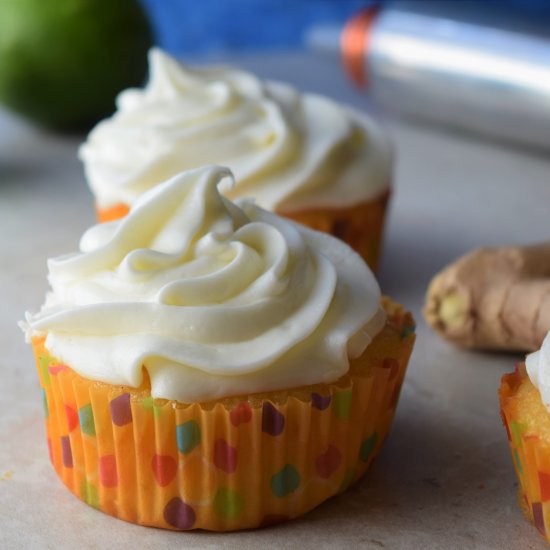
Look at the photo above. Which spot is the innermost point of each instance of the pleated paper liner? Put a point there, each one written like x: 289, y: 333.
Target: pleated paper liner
x: 233, y: 464
x: 360, y: 226
x: 527, y: 423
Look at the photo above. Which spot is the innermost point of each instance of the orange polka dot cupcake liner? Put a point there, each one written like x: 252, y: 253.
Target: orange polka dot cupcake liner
x: 530, y: 453
x: 232, y: 464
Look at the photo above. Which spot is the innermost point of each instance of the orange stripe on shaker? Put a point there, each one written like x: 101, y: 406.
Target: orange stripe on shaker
x: 355, y: 42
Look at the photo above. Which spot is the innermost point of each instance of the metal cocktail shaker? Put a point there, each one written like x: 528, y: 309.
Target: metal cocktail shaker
x: 466, y: 75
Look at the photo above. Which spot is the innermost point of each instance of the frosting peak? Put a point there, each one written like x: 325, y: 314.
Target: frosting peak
x: 538, y: 370
x: 287, y: 150
x: 212, y: 298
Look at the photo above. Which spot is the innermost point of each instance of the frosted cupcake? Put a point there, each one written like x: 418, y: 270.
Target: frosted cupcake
x: 208, y: 364
x: 299, y: 155
x: 525, y: 410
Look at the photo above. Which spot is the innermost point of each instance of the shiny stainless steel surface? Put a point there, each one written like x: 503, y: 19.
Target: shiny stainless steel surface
x: 464, y: 75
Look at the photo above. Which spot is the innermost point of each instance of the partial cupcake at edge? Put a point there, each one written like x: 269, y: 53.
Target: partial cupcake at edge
x: 525, y: 410
x: 208, y: 364
x: 300, y: 155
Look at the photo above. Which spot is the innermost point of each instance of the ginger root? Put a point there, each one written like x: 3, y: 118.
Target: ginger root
x: 493, y: 298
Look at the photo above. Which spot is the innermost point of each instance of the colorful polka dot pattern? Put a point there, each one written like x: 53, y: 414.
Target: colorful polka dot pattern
x: 285, y: 481
x: 531, y: 458
x: 188, y: 436
x: 228, y: 504
x: 86, y: 419
x: 234, y: 465
x: 165, y: 468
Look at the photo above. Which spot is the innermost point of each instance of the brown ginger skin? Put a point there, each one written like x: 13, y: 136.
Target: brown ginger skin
x: 493, y: 298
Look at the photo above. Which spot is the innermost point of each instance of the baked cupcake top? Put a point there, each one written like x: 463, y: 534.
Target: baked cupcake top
x: 289, y: 151
x: 212, y: 298
x: 538, y: 370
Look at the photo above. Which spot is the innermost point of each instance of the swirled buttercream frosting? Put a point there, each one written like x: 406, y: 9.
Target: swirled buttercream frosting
x: 538, y: 370
x: 289, y: 151
x: 212, y: 298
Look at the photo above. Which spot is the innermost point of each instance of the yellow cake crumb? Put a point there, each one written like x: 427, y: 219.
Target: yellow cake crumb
x: 529, y: 408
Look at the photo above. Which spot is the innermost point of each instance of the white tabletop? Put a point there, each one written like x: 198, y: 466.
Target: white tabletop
x: 444, y: 478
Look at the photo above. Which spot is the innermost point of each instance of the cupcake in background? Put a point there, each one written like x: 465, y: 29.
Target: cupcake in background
x: 208, y: 364
x: 525, y: 410
x: 302, y: 156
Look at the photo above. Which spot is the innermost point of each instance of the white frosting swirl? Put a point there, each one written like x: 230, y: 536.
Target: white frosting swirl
x: 211, y: 298
x: 538, y: 370
x: 289, y: 151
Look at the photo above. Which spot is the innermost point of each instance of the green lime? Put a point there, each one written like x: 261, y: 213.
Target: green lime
x: 62, y: 62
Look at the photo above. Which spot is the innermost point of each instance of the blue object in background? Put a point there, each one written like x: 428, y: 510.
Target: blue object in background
x: 215, y: 26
